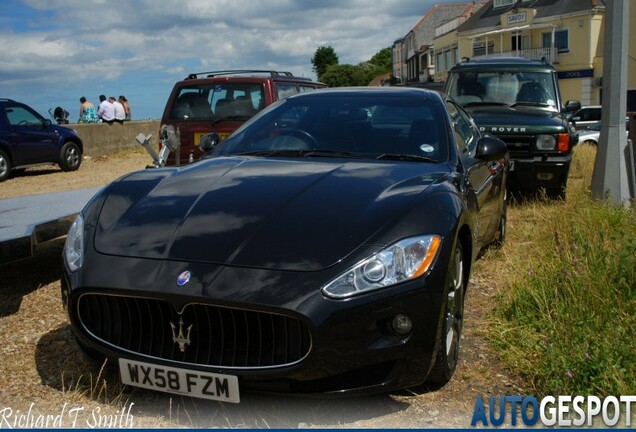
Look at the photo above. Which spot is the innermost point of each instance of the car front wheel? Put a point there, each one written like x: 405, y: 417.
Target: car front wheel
x: 70, y: 157
x: 448, y: 351
x: 5, y: 166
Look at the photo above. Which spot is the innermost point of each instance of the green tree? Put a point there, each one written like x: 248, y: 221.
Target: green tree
x: 345, y: 75
x: 383, y: 60
x: 324, y: 57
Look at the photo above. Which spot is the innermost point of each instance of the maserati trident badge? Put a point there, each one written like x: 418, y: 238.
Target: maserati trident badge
x: 184, y: 278
x: 178, y: 337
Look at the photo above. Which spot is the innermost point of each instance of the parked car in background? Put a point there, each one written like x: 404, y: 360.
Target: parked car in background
x: 324, y: 247
x: 592, y: 133
x: 586, y: 116
x: 222, y: 101
x: 28, y: 139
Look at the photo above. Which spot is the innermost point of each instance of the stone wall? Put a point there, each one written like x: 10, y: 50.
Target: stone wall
x: 104, y: 139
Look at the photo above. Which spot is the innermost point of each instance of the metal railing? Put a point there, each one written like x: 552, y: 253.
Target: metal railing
x: 550, y: 54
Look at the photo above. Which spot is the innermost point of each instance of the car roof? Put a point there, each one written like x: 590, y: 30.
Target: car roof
x: 259, y: 74
x: 390, y: 91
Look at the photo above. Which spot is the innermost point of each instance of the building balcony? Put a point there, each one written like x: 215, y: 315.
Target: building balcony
x: 550, y: 54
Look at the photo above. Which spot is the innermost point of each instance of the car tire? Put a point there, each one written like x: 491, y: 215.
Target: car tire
x: 556, y: 193
x: 5, y: 166
x: 70, y: 157
x: 448, y: 350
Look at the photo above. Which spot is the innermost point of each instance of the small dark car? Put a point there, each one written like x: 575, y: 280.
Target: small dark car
x: 324, y: 247
x: 28, y: 139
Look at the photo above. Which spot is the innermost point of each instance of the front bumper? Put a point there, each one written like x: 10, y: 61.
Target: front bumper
x: 353, y: 348
x: 550, y: 172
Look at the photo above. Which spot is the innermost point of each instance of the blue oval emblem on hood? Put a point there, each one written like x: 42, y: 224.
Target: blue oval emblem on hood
x: 184, y: 278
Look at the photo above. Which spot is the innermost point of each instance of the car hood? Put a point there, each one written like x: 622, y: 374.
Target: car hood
x: 285, y: 214
x: 503, y: 119
x: 588, y: 133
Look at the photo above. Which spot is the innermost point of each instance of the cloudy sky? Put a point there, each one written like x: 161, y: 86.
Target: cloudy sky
x: 54, y: 51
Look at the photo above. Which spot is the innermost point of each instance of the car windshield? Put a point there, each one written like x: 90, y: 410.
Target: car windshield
x: 515, y: 88
x: 393, y: 128
x: 217, y: 101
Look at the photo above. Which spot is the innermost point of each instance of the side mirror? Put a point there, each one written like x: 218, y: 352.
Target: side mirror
x: 47, y: 123
x: 572, y: 106
x: 490, y: 148
x: 208, y: 142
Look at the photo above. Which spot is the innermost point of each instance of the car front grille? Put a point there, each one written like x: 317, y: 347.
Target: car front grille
x: 519, y: 146
x: 201, y: 335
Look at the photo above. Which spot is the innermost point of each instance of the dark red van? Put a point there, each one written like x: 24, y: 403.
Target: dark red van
x: 221, y: 101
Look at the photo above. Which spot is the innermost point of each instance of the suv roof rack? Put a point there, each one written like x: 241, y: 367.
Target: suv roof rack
x: 212, y: 74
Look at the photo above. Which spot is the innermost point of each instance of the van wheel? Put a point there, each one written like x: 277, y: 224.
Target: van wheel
x: 70, y: 157
x: 5, y: 166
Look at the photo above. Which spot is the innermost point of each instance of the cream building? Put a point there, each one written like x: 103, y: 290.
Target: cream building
x: 569, y: 33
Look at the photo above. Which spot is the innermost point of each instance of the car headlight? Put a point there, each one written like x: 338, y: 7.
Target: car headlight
x: 74, y: 246
x: 546, y: 142
x: 402, y: 261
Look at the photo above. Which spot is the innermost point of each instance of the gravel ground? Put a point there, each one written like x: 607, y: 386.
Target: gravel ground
x: 44, y: 375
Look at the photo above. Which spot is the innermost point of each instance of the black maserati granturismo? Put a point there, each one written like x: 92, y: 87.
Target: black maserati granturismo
x: 324, y: 247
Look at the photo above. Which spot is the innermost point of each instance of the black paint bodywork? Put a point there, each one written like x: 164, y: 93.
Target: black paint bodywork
x: 266, y: 233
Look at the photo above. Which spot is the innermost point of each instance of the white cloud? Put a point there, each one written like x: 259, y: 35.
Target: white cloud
x: 81, y: 45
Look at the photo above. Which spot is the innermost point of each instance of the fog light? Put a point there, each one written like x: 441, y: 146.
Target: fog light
x: 545, y: 176
x: 402, y: 324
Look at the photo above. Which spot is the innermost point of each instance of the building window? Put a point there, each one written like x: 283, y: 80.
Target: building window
x: 561, y: 40
x: 448, y: 59
x: 480, y: 49
x: 438, y: 62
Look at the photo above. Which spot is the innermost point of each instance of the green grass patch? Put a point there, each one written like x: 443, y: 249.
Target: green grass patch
x: 566, y: 316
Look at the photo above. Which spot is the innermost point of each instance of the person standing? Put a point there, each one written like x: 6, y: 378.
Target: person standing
x: 120, y: 113
x: 126, y: 105
x: 88, y: 113
x: 106, y: 110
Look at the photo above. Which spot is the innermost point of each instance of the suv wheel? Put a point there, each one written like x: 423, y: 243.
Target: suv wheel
x: 556, y: 193
x: 70, y: 157
x: 5, y: 166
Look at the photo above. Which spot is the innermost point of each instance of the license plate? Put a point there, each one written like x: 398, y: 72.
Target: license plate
x: 512, y: 165
x: 185, y: 382
x: 198, y: 135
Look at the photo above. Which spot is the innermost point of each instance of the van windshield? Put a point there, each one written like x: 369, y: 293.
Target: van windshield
x: 217, y: 101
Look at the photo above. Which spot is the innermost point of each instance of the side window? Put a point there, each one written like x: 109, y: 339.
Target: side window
x: 306, y: 88
x: 20, y: 116
x: 464, y: 129
x: 285, y: 90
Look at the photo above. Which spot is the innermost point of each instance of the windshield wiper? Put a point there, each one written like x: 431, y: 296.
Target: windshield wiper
x: 281, y: 152
x: 528, y: 103
x: 405, y: 157
x: 468, y: 104
x: 332, y: 153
